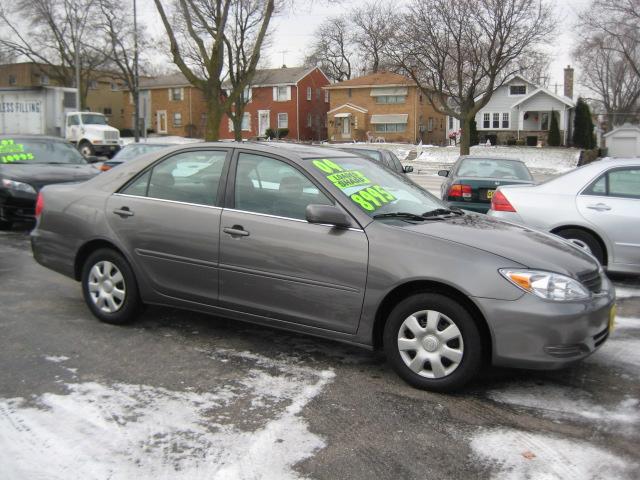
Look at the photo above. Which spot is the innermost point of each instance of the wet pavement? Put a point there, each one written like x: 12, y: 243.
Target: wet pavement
x: 184, y: 395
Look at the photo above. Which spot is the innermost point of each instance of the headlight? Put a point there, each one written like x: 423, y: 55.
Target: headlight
x: 17, y: 186
x: 547, y: 285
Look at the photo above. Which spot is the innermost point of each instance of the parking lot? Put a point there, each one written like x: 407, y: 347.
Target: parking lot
x: 183, y: 395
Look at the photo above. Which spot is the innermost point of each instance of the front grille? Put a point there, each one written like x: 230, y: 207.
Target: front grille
x: 592, y: 280
x: 111, y: 135
x: 600, y: 337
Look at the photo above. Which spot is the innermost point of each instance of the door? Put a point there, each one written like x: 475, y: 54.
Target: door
x: 346, y: 126
x: 274, y: 263
x: 263, y: 122
x: 73, y: 127
x: 624, y: 147
x: 168, y: 219
x: 161, y: 117
x: 612, y: 202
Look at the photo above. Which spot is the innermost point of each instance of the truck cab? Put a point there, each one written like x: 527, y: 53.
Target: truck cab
x: 91, y: 134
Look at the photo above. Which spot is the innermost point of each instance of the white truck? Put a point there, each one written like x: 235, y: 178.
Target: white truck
x: 53, y: 111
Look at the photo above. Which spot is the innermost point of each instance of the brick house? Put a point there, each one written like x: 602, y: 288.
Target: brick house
x: 290, y: 98
x: 104, y: 94
x: 169, y: 105
x: 383, y: 105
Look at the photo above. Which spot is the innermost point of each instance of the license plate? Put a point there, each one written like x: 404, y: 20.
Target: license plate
x: 612, y: 318
x: 490, y: 193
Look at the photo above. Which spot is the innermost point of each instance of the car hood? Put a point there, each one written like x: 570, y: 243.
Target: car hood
x: 41, y: 174
x: 99, y: 128
x: 525, y: 246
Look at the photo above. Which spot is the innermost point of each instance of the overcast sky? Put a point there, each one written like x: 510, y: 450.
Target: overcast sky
x: 292, y: 31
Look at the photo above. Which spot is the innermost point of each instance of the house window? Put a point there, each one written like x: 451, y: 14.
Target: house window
x: 246, y: 122
x: 326, y: 96
x: 106, y: 111
x: 486, y: 121
x: 309, y: 120
x: 114, y: 87
x: 430, y: 124
x: 177, y: 119
x: 517, y: 89
x: 246, y: 95
x: 349, y: 92
x: 496, y: 120
x: 544, y: 121
x: 308, y: 93
x: 44, y: 80
x: 282, y: 94
x: 12, y: 80
x: 505, y: 120
x: 390, y: 127
x: 450, y: 123
x: 283, y: 120
x: 93, y: 84
x: 175, y: 94
x: 384, y: 99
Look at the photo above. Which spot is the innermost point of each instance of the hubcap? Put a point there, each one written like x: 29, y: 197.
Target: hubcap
x: 85, y: 151
x: 106, y: 286
x: 430, y: 344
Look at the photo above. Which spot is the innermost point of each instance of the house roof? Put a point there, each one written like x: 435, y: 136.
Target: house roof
x: 163, y: 81
x: 561, y: 98
x: 349, y: 105
x: 374, y: 80
x: 626, y: 127
x: 270, y: 77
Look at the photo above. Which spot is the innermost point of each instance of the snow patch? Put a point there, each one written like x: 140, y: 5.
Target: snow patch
x: 627, y: 323
x: 56, y: 359
x: 520, y: 455
x: 627, y: 292
x: 124, y: 431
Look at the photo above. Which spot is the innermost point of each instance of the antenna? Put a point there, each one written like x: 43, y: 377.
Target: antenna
x: 283, y: 52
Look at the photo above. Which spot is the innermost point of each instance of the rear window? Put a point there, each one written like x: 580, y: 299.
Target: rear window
x: 38, y: 150
x: 490, y: 168
x: 133, y: 151
x: 372, y: 154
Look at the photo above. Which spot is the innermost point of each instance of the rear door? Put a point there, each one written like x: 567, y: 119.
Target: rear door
x: 273, y: 263
x: 168, y: 219
x: 612, y: 203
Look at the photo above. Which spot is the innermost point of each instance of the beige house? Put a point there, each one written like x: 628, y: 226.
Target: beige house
x: 383, y: 106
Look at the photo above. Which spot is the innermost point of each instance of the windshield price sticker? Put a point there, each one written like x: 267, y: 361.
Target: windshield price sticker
x: 9, y: 146
x: 13, y: 152
x: 17, y: 157
x: 372, y: 198
x: 349, y: 178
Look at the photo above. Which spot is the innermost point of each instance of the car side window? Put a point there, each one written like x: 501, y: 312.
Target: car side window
x: 397, y: 165
x: 598, y: 188
x: 190, y: 177
x: 624, y: 183
x: 270, y: 186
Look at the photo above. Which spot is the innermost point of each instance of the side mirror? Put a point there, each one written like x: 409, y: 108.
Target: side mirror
x: 327, y: 214
x: 92, y: 159
x: 407, y: 168
x: 443, y: 173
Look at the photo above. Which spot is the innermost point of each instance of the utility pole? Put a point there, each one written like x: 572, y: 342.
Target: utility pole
x: 77, y: 58
x: 136, y: 89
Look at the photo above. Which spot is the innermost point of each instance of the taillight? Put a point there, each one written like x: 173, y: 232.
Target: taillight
x: 104, y: 168
x: 499, y: 203
x: 39, y: 204
x: 460, y: 191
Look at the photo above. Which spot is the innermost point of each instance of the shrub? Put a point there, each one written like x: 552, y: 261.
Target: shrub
x: 521, y: 142
x: 474, y: 139
x: 554, y: 131
x: 276, y: 133
x: 583, y: 136
x: 126, y: 132
x: 511, y: 141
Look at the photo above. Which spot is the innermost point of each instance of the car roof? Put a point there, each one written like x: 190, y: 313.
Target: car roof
x: 487, y: 157
x: 301, y: 150
x: 356, y: 146
x: 31, y: 137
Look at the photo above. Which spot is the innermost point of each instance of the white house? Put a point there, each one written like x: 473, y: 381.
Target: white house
x: 623, y: 141
x: 521, y: 110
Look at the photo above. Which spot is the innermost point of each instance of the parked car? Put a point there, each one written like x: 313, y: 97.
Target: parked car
x: 27, y: 163
x: 471, y: 181
x: 329, y: 244
x: 132, y: 150
x: 382, y: 155
x: 596, y: 206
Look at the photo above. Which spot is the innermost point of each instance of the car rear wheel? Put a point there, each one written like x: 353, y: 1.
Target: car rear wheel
x: 432, y: 342
x: 109, y: 287
x: 86, y: 149
x: 584, y: 240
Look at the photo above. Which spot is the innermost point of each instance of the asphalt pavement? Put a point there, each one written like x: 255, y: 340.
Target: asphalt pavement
x: 183, y: 395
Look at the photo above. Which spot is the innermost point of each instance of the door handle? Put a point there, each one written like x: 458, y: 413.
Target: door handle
x: 236, y: 231
x: 123, y: 212
x: 600, y: 207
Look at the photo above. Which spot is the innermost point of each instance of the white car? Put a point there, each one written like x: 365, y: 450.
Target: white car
x: 596, y: 206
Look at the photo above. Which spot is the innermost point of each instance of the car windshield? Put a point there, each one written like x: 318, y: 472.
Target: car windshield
x: 375, y: 189
x: 372, y: 154
x: 26, y: 150
x: 492, y: 168
x: 133, y: 151
x: 93, y: 119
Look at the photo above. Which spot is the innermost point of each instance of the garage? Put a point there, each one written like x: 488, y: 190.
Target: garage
x: 623, y: 142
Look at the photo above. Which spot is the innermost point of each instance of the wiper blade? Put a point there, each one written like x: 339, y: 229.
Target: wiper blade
x: 411, y: 216
x: 442, y: 211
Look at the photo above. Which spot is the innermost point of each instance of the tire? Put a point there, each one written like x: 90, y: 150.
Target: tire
x: 86, y: 149
x: 586, y: 239
x: 459, y: 351
x: 100, y: 280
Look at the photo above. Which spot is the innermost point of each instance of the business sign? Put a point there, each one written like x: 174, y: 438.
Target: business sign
x: 21, y: 107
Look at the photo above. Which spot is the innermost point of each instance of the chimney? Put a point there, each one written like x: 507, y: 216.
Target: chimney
x: 568, y: 82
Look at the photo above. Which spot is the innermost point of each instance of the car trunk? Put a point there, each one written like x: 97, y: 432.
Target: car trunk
x: 483, y: 188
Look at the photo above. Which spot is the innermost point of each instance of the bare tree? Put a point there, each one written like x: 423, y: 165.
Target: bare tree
x: 197, y: 34
x: 374, y: 24
x: 460, y: 51
x: 333, y: 49
x: 56, y: 28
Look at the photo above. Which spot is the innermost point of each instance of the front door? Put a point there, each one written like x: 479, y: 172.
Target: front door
x: 169, y: 220
x: 263, y: 122
x: 273, y: 263
x: 161, y: 117
x: 346, y: 127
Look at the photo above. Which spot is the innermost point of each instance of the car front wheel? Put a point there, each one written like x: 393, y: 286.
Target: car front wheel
x: 109, y: 287
x: 432, y: 342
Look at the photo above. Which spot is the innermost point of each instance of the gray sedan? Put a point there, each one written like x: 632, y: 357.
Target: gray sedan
x: 596, y: 206
x: 329, y: 244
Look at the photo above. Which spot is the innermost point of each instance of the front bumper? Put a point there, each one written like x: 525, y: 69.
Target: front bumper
x: 17, y: 206
x: 537, y: 334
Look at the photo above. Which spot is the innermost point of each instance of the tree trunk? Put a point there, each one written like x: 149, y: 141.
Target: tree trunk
x: 237, y: 126
x: 465, y: 139
x: 214, y: 117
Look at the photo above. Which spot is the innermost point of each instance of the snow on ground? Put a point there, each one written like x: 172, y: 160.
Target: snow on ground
x: 627, y: 292
x: 124, y: 431
x: 622, y: 349
x: 553, y: 160
x: 173, y: 139
x: 517, y: 455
